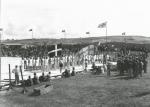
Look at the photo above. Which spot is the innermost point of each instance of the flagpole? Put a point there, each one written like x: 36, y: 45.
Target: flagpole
x: 0, y: 40
x: 106, y: 40
x: 106, y: 33
x: 0, y: 24
x: 125, y: 41
x: 104, y: 25
x: 32, y: 34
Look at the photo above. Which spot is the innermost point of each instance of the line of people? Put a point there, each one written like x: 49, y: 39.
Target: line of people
x: 47, y: 63
x: 47, y: 78
x: 36, y: 80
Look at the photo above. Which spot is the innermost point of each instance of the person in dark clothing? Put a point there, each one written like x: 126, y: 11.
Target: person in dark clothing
x: 108, y: 69
x: 61, y: 65
x: 121, y: 67
x: 134, y: 68
x: 137, y: 68
x: 73, y: 72
x: 140, y: 67
x: 66, y: 73
x: 48, y: 77
x: 35, y: 79
x: 130, y: 69
x: 145, y: 66
x: 29, y: 81
x: 42, y: 78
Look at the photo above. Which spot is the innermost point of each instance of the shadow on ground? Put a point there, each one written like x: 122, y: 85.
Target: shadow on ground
x: 141, y: 94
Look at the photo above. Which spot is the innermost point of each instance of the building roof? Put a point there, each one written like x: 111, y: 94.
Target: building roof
x: 12, y: 44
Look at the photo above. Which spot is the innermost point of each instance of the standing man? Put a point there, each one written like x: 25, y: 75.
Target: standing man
x: 46, y: 64
x: 145, y: 65
x: 140, y: 68
x: 61, y: 65
x: 86, y: 64
x: 25, y: 63
x: 108, y: 69
x: 16, y: 72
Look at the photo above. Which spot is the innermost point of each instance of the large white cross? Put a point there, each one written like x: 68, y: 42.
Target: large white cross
x: 56, y: 50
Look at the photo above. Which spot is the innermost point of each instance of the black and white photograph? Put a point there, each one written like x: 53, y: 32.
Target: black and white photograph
x: 74, y: 53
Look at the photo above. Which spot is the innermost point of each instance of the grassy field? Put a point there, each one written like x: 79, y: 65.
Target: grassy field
x: 85, y: 90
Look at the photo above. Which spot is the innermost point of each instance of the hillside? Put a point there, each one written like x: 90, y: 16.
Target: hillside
x: 128, y: 39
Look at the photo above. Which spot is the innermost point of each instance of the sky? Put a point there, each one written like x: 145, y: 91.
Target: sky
x: 48, y: 18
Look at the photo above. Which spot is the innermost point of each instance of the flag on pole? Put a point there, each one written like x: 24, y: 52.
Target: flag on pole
x: 124, y: 33
x: 63, y: 31
x: 102, y: 25
x: 30, y: 29
x: 87, y: 32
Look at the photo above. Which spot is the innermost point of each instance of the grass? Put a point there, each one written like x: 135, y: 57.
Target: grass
x: 85, y: 90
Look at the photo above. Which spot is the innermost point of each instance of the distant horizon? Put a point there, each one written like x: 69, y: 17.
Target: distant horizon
x: 83, y: 37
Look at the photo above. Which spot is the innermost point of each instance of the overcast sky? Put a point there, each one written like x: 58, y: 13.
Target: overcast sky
x: 49, y: 17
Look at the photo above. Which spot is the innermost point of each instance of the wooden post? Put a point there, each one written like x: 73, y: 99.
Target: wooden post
x: 10, y: 84
x: 0, y: 67
x: 24, y: 89
x: 72, y: 59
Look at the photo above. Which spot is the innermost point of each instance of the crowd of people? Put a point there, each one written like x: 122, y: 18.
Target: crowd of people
x: 43, y: 78
x: 36, y: 80
x: 134, y: 65
x: 47, y: 78
x: 48, y: 63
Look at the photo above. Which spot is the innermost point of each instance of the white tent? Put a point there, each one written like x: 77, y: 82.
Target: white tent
x: 4, y: 65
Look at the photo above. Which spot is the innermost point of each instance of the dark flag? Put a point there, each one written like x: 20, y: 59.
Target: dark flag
x: 87, y: 32
x: 102, y: 25
x: 123, y: 33
x: 30, y: 29
x: 63, y: 31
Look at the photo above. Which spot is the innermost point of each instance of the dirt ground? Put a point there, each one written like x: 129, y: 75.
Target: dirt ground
x: 85, y: 90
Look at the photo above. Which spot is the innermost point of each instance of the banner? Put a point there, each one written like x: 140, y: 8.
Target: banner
x: 88, y: 50
x: 102, y: 25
